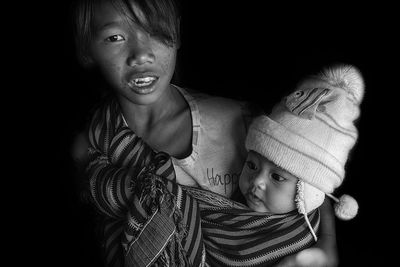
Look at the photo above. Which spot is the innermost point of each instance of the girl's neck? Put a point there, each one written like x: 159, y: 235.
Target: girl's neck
x: 142, y: 118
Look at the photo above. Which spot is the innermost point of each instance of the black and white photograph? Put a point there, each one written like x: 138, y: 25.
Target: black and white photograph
x: 206, y: 133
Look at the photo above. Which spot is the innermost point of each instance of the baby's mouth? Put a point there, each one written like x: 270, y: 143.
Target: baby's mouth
x: 253, y: 198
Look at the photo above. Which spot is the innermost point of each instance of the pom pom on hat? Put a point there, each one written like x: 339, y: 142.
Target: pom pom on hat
x: 346, y: 207
x: 346, y: 77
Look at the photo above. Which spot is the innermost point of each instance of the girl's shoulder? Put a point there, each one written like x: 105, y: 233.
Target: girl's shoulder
x: 218, y: 108
x: 212, y: 104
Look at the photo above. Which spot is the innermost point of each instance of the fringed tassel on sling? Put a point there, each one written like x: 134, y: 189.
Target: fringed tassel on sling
x: 133, y: 189
x: 153, y: 192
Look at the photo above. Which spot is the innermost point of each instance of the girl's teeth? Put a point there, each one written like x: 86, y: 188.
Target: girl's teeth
x: 143, y: 81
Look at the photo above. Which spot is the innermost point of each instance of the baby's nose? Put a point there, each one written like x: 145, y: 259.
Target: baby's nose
x: 260, y: 182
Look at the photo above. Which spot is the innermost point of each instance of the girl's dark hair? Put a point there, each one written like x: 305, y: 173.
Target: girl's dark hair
x: 161, y: 20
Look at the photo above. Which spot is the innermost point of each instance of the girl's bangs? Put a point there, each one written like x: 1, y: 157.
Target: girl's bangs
x: 159, y: 18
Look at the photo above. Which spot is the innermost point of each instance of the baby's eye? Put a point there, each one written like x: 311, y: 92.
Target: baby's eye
x: 277, y: 177
x: 115, y: 38
x: 251, y: 165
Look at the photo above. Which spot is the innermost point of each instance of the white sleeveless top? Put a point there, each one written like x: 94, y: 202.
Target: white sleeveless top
x: 218, y: 152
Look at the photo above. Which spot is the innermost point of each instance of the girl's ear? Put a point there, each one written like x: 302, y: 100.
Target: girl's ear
x: 178, y: 41
x: 84, y: 58
x: 87, y: 61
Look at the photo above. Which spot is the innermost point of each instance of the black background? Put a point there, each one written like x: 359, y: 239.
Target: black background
x: 245, y: 51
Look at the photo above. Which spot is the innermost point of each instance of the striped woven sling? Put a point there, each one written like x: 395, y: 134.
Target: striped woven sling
x: 146, y: 218
x: 234, y: 235
x: 150, y: 220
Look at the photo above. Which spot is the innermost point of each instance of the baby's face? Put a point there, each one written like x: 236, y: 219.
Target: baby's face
x: 266, y: 187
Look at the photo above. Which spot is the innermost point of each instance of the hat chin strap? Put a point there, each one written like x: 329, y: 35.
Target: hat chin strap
x: 301, y: 206
x: 309, y: 226
x: 345, y: 207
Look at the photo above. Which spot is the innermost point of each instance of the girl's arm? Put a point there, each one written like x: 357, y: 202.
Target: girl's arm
x: 79, y: 151
x: 80, y: 158
x: 327, y: 237
x: 324, y: 252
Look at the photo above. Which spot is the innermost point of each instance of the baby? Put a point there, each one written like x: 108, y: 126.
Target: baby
x: 297, y: 154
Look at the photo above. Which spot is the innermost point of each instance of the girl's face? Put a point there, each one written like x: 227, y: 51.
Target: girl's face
x: 138, y: 66
x: 266, y: 187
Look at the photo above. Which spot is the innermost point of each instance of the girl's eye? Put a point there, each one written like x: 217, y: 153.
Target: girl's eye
x: 115, y: 38
x: 277, y: 177
x: 251, y: 165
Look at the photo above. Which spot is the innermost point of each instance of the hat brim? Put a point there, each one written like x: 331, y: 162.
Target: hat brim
x: 294, y: 153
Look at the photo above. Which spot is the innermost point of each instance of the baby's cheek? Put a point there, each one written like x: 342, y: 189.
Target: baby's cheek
x: 243, y: 182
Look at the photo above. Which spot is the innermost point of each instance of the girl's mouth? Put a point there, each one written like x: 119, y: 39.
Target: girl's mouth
x: 143, y: 85
x: 143, y: 82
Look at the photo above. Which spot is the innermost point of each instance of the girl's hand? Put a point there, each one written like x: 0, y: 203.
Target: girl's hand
x: 324, y: 252
x: 311, y: 257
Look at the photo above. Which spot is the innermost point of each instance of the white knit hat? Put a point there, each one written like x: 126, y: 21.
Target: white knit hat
x: 311, y: 132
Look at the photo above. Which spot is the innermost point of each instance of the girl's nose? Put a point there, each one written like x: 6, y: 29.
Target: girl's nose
x: 141, y: 51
